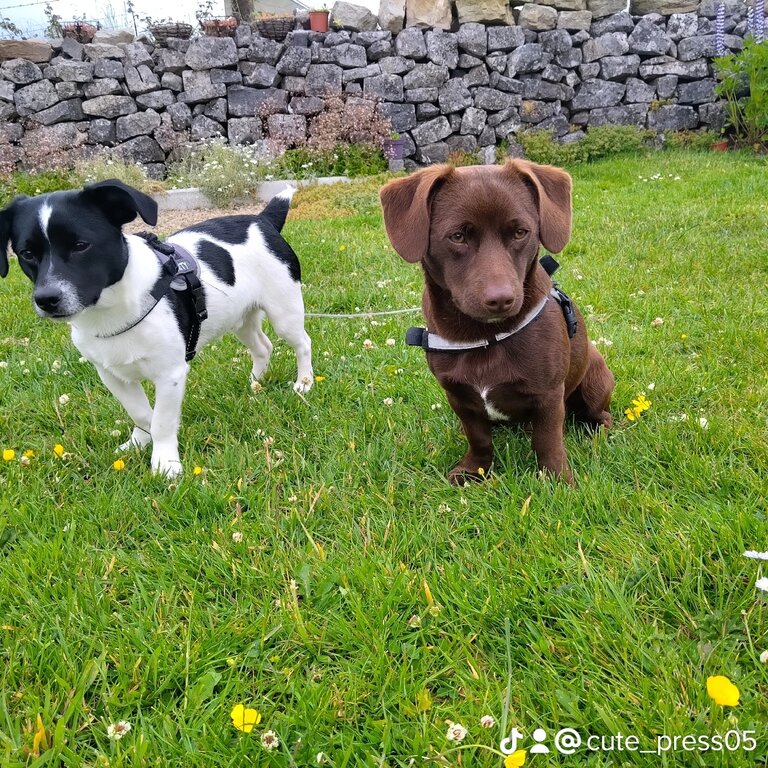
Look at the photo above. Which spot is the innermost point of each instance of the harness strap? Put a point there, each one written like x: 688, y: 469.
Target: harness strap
x: 178, y: 273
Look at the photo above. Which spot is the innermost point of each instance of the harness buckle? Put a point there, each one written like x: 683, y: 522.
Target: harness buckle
x: 568, y: 311
x: 417, y: 337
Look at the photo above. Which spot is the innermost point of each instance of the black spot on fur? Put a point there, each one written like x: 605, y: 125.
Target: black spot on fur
x: 234, y: 231
x: 218, y: 259
x: 283, y: 252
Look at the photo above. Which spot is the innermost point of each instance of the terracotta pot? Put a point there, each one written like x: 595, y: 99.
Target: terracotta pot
x: 318, y: 21
x: 719, y: 146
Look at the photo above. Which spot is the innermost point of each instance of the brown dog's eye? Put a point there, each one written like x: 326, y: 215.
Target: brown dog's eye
x: 519, y: 234
x: 458, y: 237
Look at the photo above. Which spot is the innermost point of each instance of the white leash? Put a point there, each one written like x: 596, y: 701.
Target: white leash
x: 362, y: 314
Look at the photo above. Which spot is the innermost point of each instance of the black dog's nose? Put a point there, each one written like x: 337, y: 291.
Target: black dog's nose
x: 48, y: 299
x: 498, y: 300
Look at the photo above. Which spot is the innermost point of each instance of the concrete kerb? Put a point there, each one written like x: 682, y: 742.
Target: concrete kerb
x: 193, y: 198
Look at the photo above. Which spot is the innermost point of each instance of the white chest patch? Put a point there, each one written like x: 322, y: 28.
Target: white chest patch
x: 493, y: 413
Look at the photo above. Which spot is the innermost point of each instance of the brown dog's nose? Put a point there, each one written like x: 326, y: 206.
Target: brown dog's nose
x: 498, y: 300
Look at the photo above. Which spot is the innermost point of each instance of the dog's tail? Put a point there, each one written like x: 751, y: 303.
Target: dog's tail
x: 277, y: 208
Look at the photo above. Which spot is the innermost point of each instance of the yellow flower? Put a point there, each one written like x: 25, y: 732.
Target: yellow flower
x: 29, y: 453
x: 428, y: 594
x: 630, y: 414
x: 641, y: 403
x: 58, y: 449
x: 244, y: 719
x: 319, y: 378
x: 198, y: 470
x: 9, y: 454
x: 118, y: 465
x: 480, y: 471
x: 342, y: 247
x: 722, y: 691
x: 515, y: 760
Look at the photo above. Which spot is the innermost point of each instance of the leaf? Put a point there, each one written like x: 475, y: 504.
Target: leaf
x: 423, y: 700
x: 203, y: 688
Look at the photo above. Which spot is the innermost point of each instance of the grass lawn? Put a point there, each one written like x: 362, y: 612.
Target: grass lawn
x: 368, y: 603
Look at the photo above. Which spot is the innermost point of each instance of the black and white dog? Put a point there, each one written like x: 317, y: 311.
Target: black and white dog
x: 86, y: 271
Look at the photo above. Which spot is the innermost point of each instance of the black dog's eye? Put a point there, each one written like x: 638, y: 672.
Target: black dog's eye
x: 458, y: 237
x: 80, y: 246
x: 27, y: 255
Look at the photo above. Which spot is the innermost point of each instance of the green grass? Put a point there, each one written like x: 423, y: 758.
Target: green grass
x: 122, y: 597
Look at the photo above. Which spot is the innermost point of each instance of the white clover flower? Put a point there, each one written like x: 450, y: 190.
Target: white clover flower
x: 116, y: 731
x: 762, y: 584
x: 367, y: 344
x: 237, y: 537
x: 269, y: 740
x: 657, y: 321
x: 390, y: 342
x: 487, y: 721
x: 703, y: 422
x: 764, y: 657
x: 63, y: 399
x: 456, y: 732
x: 388, y: 401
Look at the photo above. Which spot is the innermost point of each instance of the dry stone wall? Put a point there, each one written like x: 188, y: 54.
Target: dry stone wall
x: 582, y: 63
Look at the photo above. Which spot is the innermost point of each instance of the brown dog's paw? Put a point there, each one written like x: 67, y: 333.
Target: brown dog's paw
x: 605, y: 420
x: 463, y: 475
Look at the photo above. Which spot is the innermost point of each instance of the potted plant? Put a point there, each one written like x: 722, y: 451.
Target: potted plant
x: 81, y: 31
x: 224, y: 26
x: 318, y: 19
x: 394, y: 147
x: 274, y: 26
x: 162, y: 29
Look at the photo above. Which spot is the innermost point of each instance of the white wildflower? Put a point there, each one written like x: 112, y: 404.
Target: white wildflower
x: 116, y: 731
x: 269, y: 740
x: 457, y: 732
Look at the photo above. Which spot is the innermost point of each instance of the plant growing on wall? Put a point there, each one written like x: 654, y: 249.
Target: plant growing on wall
x: 743, y: 83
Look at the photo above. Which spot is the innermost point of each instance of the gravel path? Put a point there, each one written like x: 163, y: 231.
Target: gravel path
x: 169, y: 222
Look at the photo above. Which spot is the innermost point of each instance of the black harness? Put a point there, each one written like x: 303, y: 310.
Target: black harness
x: 179, y: 273
x: 430, y: 342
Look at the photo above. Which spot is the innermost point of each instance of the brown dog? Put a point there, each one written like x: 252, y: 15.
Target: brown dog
x: 498, y: 338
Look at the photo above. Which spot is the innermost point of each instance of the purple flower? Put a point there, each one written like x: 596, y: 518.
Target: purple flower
x: 720, y: 30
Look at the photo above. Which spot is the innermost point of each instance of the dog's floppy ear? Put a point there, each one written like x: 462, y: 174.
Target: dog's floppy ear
x: 406, y: 204
x: 553, y: 188
x: 6, y: 218
x: 121, y: 203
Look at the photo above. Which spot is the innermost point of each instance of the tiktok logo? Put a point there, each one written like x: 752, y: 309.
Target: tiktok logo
x: 509, y: 745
